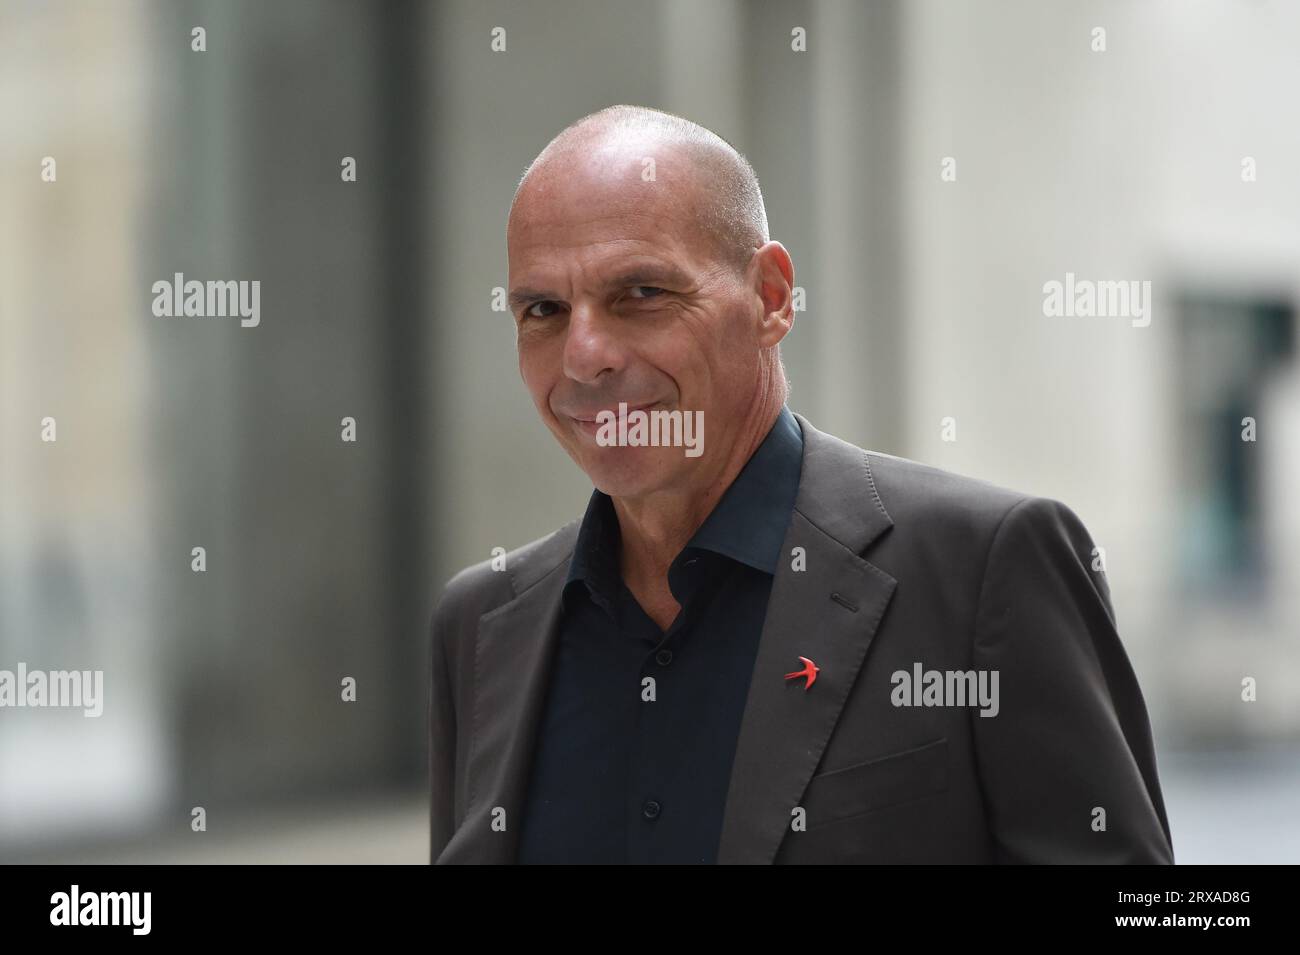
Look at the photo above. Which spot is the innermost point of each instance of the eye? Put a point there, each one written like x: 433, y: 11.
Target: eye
x: 529, y: 313
x: 653, y: 289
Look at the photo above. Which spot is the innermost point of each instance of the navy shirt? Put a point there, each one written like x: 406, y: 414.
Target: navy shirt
x: 618, y: 777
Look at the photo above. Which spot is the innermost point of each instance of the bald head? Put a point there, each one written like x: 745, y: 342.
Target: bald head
x: 724, y: 193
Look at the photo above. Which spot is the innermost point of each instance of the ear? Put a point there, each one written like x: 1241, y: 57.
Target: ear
x: 773, y: 273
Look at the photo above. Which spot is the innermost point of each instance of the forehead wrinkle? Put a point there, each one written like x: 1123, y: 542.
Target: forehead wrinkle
x: 617, y: 270
x: 606, y: 251
x: 583, y: 209
x: 555, y: 249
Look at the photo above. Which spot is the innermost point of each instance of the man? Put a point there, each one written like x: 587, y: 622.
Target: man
x: 760, y: 644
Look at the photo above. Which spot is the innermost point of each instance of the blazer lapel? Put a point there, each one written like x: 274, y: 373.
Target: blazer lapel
x: 511, y: 675
x: 828, y: 612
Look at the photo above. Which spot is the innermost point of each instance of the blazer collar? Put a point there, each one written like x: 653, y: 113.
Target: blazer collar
x: 826, y: 604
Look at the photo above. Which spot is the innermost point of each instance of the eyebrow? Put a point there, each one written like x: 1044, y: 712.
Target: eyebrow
x: 656, y: 275
x: 523, y: 296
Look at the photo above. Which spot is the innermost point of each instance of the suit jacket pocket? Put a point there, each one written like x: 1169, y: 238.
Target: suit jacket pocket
x: 883, y: 781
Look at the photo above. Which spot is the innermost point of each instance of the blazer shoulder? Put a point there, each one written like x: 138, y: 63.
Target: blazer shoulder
x: 494, y: 582
x: 957, y: 522
x: 922, y: 495
x: 950, y: 506
x: 844, y: 488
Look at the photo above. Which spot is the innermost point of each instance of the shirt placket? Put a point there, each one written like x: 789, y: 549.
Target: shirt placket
x: 651, y: 813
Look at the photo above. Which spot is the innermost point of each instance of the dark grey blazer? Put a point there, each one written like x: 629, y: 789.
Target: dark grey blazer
x: 904, y: 565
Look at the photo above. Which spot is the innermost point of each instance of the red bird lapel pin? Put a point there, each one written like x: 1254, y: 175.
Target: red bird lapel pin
x: 809, y: 670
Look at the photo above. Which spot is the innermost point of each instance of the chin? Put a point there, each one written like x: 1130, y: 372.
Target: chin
x: 624, y: 472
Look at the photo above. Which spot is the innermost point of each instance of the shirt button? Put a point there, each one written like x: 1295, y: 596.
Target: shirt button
x: 664, y: 657
x: 651, y: 809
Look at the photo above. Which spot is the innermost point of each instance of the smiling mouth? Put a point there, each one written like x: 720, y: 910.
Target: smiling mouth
x: 590, y: 426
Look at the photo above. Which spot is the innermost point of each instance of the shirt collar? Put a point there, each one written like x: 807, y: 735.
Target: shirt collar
x: 747, y: 525
x: 595, y: 554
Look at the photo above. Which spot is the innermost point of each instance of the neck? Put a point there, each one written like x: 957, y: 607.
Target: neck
x: 654, y: 528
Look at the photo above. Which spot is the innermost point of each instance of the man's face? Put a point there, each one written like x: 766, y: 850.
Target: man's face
x: 619, y: 296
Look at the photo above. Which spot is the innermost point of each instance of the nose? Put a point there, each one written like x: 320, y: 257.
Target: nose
x: 593, y: 345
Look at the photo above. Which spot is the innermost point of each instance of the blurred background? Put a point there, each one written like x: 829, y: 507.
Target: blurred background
x: 1163, y: 149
